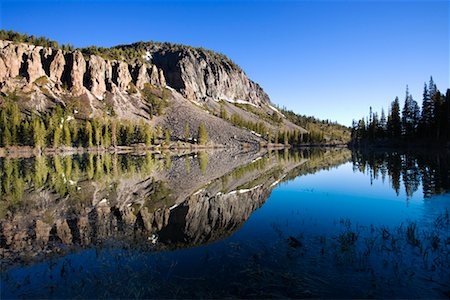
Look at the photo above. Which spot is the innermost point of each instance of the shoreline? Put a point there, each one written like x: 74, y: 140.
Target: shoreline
x: 28, y: 151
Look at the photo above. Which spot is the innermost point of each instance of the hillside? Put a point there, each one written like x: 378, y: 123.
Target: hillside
x: 157, y: 93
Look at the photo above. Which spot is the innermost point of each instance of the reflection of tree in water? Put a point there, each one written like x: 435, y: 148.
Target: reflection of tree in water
x: 60, y: 174
x: 410, y: 168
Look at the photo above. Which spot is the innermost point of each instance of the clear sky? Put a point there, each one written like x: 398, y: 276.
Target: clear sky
x: 330, y: 59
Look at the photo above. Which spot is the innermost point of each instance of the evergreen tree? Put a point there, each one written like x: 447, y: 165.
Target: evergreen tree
x: 167, y: 137
x: 148, y: 135
x: 106, y: 138
x: 57, y: 133
x: 38, y: 133
x: 394, y: 121
x: 427, y: 112
x: 66, y: 134
x: 223, y: 112
x: 88, y: 135
x: 7, y: 138
x: 383, y: 122
x: 202, y: 134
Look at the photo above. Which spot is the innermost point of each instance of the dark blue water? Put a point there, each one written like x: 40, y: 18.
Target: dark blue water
x: 334, y: 233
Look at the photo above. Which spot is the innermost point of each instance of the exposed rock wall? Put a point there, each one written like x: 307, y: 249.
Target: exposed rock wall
x: 71, y: 70
x: 200, y: 74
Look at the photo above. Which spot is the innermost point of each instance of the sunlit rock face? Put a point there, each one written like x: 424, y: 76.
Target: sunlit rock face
x: 44, y: 76
x: 200, y: 74
x: 151, y: 201
x: 71, y: 69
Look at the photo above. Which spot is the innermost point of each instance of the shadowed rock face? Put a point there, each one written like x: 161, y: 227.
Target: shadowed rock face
x: 144, y: 201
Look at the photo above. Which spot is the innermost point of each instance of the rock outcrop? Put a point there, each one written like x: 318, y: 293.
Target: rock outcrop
x: 71, y: 70
x: 202, y: 74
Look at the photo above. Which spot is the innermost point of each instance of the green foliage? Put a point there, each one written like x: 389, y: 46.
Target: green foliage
x: 24, y: 38
x: 132, y: 89
x: 319, y: 131
x: 258, y: 127
x: 223, y: 112
x: 88, y: 135
x: 156, y: 103
x: 167, y: 137
x: 202, y: 134
x: 203, y: 161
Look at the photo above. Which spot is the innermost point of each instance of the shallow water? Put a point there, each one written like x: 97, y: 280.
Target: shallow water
x: 307, y: 223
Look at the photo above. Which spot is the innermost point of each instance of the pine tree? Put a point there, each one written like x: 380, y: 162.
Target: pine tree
x: 202, y: 134
x: 7, y: 138
x: 427, y: 112
x: 114, y: 133
x: 38, y: 133
x: 57, y: 133
x: 383, y: 122
x: 66, y: 135
x: 394, y: 121
x: 148, y: 135
x: 223, y: 112
x: 167, y: 137
x: 106, y: 138
x: 88, y: 135
x: 97, y: 133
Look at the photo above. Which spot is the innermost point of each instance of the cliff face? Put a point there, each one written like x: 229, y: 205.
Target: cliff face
x: 202, y: 74
x: 191, y: 81
x: 22, y: 64
x: 195, y: 73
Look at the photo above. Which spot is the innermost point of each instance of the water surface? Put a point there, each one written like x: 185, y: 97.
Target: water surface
x: 304, y: 223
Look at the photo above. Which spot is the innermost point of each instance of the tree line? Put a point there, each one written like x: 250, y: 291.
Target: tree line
x: 409, y: 124
x: 58, y: 128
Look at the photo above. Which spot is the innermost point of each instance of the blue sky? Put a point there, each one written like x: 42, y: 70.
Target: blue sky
x: 330, y: 59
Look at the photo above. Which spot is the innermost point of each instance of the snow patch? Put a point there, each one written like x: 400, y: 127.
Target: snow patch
x: 242, y: 191
x: 148, y: 57
x: 256, y: 159
x: 276, y: 110
x: 257, y: 134
x: 278, y: 181
x: 197, y: 192
x: 238, y: 101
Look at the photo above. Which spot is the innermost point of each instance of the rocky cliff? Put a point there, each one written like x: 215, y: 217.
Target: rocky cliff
x: 195, y: 73
x: 22, y: 64
x: 122, y: 83
x: 202, y: 74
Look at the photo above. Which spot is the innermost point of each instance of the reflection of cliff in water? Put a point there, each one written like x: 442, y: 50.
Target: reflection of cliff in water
x: 55, y: 204
x: 429, y: 169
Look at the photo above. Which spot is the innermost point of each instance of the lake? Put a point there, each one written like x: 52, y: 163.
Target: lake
x: 306, y: 223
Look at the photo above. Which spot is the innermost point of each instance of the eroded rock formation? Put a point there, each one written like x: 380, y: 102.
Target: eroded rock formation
x: 200, y: 74
x: 72, y: 70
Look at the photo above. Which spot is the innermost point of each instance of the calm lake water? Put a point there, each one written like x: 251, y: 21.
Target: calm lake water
x: 307, y: 223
